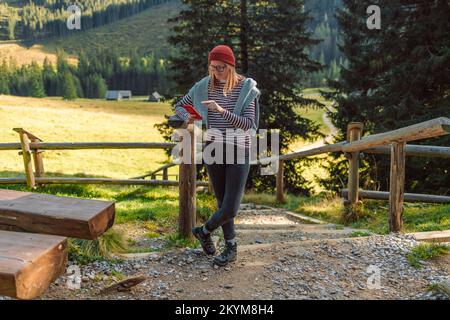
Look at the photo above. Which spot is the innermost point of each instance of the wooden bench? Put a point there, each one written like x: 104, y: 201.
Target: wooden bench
x: 30, y: 262
x: 49, y: 214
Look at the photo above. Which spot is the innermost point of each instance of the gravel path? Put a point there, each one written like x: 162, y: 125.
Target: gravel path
x: 279, y: 258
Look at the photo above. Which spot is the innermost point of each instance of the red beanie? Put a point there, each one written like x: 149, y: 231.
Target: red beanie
x: 222, y: 53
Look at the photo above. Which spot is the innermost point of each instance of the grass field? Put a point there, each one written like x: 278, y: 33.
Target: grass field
x: 83, y: 120
x: 88, y: 120
x: 146, y: 32
x: 23, y: 54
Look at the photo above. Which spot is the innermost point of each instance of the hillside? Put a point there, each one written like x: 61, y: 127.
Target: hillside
x: 25, y: 55
x: 146, y: 32
x: 29, y: 20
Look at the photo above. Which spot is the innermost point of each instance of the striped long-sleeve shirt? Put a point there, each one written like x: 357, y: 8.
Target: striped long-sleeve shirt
x: 227, y: 120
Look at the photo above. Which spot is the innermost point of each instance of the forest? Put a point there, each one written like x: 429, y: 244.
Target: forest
x: 90, y: 78
x: 42, y: 19
x: 31, y: 20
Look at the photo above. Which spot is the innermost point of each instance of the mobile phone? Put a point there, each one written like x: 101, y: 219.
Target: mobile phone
x: 193, y: 112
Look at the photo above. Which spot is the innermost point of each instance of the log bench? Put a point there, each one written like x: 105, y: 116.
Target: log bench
x: 49, y: 214
x: 33, y: 231
x: 30, y: 262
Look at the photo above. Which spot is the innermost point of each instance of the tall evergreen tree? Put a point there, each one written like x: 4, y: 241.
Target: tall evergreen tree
x: 271, y: 42
x: 12, y: 21
x: 201, y: 25
x: 4, y: 78
x: 49, y: 78
x: 68, y: 88
x: 396, y: 76
x: 35, y: 82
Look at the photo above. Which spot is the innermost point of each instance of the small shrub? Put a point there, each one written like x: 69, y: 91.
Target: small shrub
x: 426, y: 251
x: 175, y: 240
x: 353, y: 212
x: 86, y: 251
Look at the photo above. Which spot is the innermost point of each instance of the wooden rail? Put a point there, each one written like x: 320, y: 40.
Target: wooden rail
x: 87, y: 145
x: 415, y: 150
x: 58, y: 180
x: 424, y: 130
x: 408, y: 197
x: 31, y: 149
x: 392, y: 143
x: 153, y: 173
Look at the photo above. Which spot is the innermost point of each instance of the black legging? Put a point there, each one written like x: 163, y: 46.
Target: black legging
x: 228, y: 182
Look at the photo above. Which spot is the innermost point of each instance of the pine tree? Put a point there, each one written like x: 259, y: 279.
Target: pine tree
x: 12, y: 21
x: 35, y: 82
x: 395, y: 77
x: 100, y: 86
x: 61, y: 63
x: 325, y: 28
x: 198, y: 28
x: 49, y: 78
x: 4, y: 78
x: 69, y: 90
x: 78, y: 88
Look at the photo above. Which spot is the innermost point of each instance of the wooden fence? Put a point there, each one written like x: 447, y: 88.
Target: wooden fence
x: 31, y: 149
x: 392, y: 142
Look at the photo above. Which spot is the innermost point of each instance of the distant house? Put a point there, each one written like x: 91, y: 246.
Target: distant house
x: 118, y: 94
x: 155, y: 97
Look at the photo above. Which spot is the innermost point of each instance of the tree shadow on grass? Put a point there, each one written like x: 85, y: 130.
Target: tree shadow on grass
x: 71, y: 190
x: 110, y: 192
x: 142, y: 193
x: 155, y: 206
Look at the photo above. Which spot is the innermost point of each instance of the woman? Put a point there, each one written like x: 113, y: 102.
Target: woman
x: 226, y: 100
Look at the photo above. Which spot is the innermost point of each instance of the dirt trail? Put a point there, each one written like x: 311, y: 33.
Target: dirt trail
x: 279, y: 257
x: 328, y: 138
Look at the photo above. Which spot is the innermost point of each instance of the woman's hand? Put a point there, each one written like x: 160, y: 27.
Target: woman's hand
x: 190, y: 119
x: 213, y: 106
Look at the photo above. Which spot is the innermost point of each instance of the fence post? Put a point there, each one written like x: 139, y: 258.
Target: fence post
x: 187, y: 187
x: 165, y: 175
x: 354, y: 132
x: 396, y: 186
x: 26, y: 154
x: 37, y: 159
x: 280, y: 183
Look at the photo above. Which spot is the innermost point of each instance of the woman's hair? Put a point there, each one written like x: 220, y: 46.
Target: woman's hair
x: 232, y: 79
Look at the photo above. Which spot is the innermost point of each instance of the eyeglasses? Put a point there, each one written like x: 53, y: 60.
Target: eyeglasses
x: 218, y: 68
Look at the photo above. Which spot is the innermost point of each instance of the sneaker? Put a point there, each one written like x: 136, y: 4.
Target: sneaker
x: 229, y: 254
x: 205, y: 240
